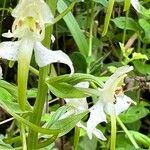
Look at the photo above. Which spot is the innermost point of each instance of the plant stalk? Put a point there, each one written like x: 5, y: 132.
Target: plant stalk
x: 127, y: 133
x: 42, y: 88
x: 113, y: 132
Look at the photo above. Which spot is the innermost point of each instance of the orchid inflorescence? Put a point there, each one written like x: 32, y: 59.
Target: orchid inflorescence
x: 110, y: 102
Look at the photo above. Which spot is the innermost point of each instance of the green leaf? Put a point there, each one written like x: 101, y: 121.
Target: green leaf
x: 142, y: 67
x: 65, y: 125
x: 75, y: 78
x: 123, y: 143
x: 32, y: 93
x: 6, y: 96
x: 74, y: 29
x: 4, y: 146
x: 138, y: 56
x: 64, y: 90
x: 64, y: 86
x: 134, y: 114
x: 7, y: 99
x: 141, y: 138
x: 12, y: 89
x: 145, y: 26
x: 102, y: 2
x: 145, y: 12
x: 55, y: 117
x: 79, y: 62
x: 86, y: 144
x: 126, y: 23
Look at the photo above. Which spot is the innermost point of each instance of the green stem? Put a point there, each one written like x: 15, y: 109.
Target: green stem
x: 42, y: 90
x: 38, y: 107
x: 124, y: 32
x: 108, y: 15
x: 33, y: 70
x: 113, y: 132
x: 127, y: 4
x: 127, y: 133
x: 76, y: 137
x: 23, y: 136
x: 91, y: 35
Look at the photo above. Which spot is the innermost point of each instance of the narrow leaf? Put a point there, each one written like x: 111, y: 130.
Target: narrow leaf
x: 74, y: 29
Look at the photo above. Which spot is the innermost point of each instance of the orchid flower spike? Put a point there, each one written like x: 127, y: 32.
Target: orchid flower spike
x: 78, y: 106
x: 0, y: 73
x: 111, y: 101
x: 28, y: 28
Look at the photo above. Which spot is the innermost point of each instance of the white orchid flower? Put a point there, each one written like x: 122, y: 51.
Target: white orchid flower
x: 28, y: 27
x: 0, y: 73
x: 109, y: 102
x: 78, y: 106
x: 29, y: 30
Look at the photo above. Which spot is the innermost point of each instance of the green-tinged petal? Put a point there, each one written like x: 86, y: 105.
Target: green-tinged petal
x: 37, y: 9
x: 111, y: 84
x: 97, y: 116
x: 118, y: 73
x: 44, y: 56
x: 136, y: 5
x: 24, y: 57
x: 96, y: 132
x: 9, y: 50
x: 0, y: 72
x: 79, y: 103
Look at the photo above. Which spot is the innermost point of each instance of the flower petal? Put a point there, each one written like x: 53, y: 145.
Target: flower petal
x: 1, y: 73
x: 46, y: 12
x: 122, y: 103
x: 118, y: 73
x: 44, y: 56
x: 97, y: 116
x: 136, y: 5
x: 9, y: 50
x: 96, y: 132
x: 33, y: 8
x: 109, y: 108
x: 111, y: 84
x: 8, y: 34
x: 99, y: 134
